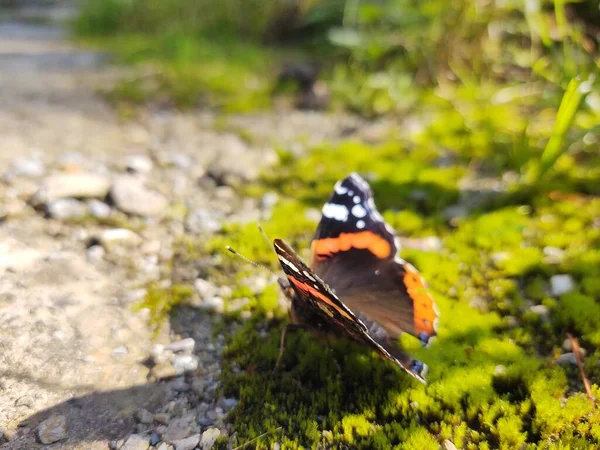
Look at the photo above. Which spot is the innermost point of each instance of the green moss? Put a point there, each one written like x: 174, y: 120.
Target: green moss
x: 161, y: 300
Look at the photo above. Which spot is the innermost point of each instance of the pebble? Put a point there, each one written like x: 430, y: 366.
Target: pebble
x: 179, y: 385
x: 215, y: 304
x: 71, y: 185
x: 136, y: 442
x: 561, y: 284
x: 98, y: 209
x: 161, y: 418
x: 553, y: 255
x: 205, y: 289
x: 131, y: 196
x: 540, y: 310
x: 198, y: 386
x: 162, y: 446
x: 203, y: 220
x: 209, y: 437
x: 567, y: 358
x: 183, y: 346
x: 65, y: 209
x: 118, y: 237
x: 154, y: 438
x: 28, y: 167
x: 162, y: 371
x: 144, y: 416
x: 52, y: 429
x: 139, y: 164
x: 188, y: 443
x: 184, y: 363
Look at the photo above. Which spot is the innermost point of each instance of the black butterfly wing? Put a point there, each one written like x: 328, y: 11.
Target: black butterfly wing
x: 354, y: 251
x: 317, y: 307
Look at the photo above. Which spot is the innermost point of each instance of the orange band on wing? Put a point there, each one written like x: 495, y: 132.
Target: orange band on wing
x: 318, y: 294
x: 423, y: 305
x: 345, y: 241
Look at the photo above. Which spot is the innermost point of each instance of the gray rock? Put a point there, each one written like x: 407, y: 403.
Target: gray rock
x: 131, y: 196
x: 215, y: 304
x: 185, y: 363
x: 188, y: 443
x: 561, y: 284
x: 136, y: 442
x: 154, y: 438
x: 161, y: 418
x: 448, y: 445
x: 206, y: 290
x: 28, y: 167
x: 98, y: 209
x: 139, y: 164
x: 65, y: 209
x: 209, y: 438
x: 95, y: 253
x: 162, y: 446
x: 144, y: 416
x: 567, y: 358
x: 179, y: 385
x: 203, y: 220
x: 198, y: 386
x: 71, y: 185
x: 52, y: 429
x: 183, y: 346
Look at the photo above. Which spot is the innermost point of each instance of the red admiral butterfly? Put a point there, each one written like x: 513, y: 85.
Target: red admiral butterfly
x: 358, y: 288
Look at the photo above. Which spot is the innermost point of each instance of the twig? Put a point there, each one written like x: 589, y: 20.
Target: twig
x: 577, y: 350
x: 257, y: 438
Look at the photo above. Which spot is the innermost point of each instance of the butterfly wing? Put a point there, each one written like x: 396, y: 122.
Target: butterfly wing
x: 354, y: 251
x: 318, y: 308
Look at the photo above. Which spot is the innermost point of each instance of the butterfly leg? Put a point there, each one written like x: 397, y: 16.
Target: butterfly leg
x: 288, y: 327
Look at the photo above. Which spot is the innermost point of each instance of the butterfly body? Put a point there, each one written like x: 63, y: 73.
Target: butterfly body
x: 357, y: 287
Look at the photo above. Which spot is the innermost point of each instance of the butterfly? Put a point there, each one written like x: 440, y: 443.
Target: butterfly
x: 357, y: 287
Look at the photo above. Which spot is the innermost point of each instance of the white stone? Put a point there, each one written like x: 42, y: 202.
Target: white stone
x: 561, y: 284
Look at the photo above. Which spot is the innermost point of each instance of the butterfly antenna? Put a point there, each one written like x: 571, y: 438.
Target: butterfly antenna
x: 264, y: 235
x: 249, y: 261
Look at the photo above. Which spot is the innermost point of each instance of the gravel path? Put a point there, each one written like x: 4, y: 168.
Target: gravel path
x: 79, y: 368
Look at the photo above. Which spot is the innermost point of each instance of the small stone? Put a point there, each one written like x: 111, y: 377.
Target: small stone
x: 162, y: 446
x: 118, y: 237
x: 28, y: 167
x: 71, y: 185
x: 185, y: 363
x: 229, y: 403
x: 204, y: 421
x: 183, y: 346
x: 212, y: 415
x: 561, y: 284
x: 188, y: 443
x: 448, y: 445
x: 276, y: 446
x: 120, y: 351
x: 161, y: 418
x: 98, y: 209
x: 203, y: 220
x: 162, y: 371
x: 553, y: 255
x: 136, y: 442
x: 179, y: 385
x: 567, y: 358
x: 198, y: 386
x: 478, y: 303
x: 131, y: 196
x: 144, y: 416
x: 209, y: 437
x: 567, y: 345
x: 52, y: 429
x: 95, y: 253
x: 154, y: 438
x: 215, y: 304
x: 205, y: 289
x: 65, y: 209
x: 541, y: 310
x: 138, y: 164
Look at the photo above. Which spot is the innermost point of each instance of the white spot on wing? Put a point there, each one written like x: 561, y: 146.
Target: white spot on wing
x: 350, y: 193
x: 289, y: 264
x: 335, y: 211
x: 360, y: 224
x: 308, y: 275
x: 359, y: 211
x: 356, y: 199
x: 339, y: 189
